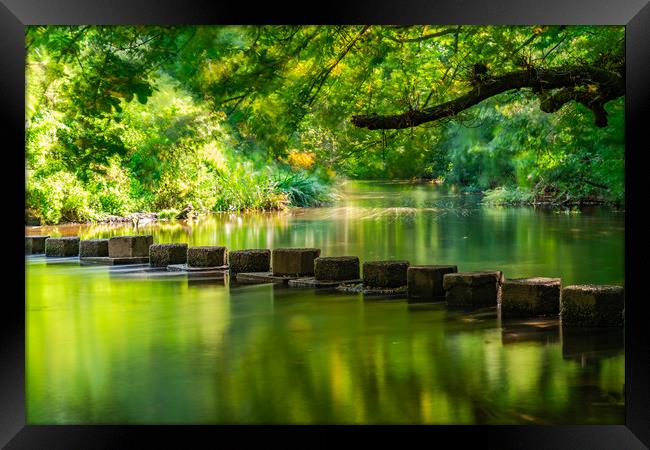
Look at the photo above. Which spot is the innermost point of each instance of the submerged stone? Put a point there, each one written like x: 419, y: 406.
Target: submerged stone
x: 129, y: 246
x: 336, y: 268
x: 385, y: 274
x: 425, y: 282
x: 252, y: 260
x: 263, y: 277
x: 360, y: 288
x: 207, y: 256
x: 64, y: 246
x: 590, y: 305
x: 526, y: 297
x: 108, y: 261
x: 294, y: 261
x: 93, y: 248
x: 162, y: 255
x: 472, y: 288
x: 35, y: 244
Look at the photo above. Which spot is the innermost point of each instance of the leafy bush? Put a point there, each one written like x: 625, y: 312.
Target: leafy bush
x: 168, y: 214
x: 301, y: 189
x: 508, y: 196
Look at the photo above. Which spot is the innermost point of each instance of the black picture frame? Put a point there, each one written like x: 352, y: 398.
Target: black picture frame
x: 16, y: 14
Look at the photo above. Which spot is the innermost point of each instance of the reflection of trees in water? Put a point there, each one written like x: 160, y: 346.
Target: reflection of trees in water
x: 328, y: 360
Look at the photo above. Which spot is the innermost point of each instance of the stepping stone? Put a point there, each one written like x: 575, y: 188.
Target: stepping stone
x: 263, y: 277
x: 385, y: 274
x: 590, y: 305
x: 93, y: 248
x: 425, y: 282
x: 472, y: 288
x: 35, y: 244
x: 336, y: 268
x: 294, y: 262
x: 527, y: 297
x: 129, y: 246
x: 206, y: 256
x: 65, y: 246
x: 107, y: 260
x: 249, y: 261
x: 162, y: 255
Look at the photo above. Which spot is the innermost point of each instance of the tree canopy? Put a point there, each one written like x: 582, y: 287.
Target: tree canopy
x: 164, y: 115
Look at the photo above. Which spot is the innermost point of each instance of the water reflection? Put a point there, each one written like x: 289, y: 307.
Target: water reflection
x: 134, y: 345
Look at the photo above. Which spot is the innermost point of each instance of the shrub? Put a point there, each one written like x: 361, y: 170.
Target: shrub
x: 508, y: 196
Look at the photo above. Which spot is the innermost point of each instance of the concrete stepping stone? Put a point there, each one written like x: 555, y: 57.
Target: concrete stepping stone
x: 294, y: 262
x: 337, y: 268
x: 472, y: 288
x: 425, y: 282
x: 64, y: 246
x: 163, y: 255
x: 204, y: 260
x: 528, y: 297
x: 207, y: 256
x: 129, y: 246
x: 591, y: 305
x: 249, y: 261
x: 35, y: 244
x: 93, y: 248
x: 330, y: 272
x: 385, y: 274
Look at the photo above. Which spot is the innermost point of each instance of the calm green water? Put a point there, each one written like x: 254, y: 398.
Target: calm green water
x: 126, y: 345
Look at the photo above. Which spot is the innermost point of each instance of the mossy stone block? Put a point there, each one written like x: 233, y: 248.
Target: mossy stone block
x: 249, y: 261
x: 35, y: 244
x: 336, y: 268
x: 425, y: 282
x: 294, y: 261
x: 528, y: 297
x: 129, y: 246
x: 162, y: 255
x: 93, y: 248
x: 64, y: 246
x: 385, y: 274
x: 590, y: 305
x: 472, y: 288
x: 206, y: 256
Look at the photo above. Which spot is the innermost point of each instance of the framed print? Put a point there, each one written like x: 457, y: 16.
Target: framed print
x: 269, y: 219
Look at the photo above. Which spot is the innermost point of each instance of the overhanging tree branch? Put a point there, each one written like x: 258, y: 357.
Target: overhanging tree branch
x: 588, y: 85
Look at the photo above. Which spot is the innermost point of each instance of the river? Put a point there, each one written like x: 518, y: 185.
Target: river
x: 120, y: 345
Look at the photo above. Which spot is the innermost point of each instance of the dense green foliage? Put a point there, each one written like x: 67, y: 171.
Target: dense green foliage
x: 124, y: 119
